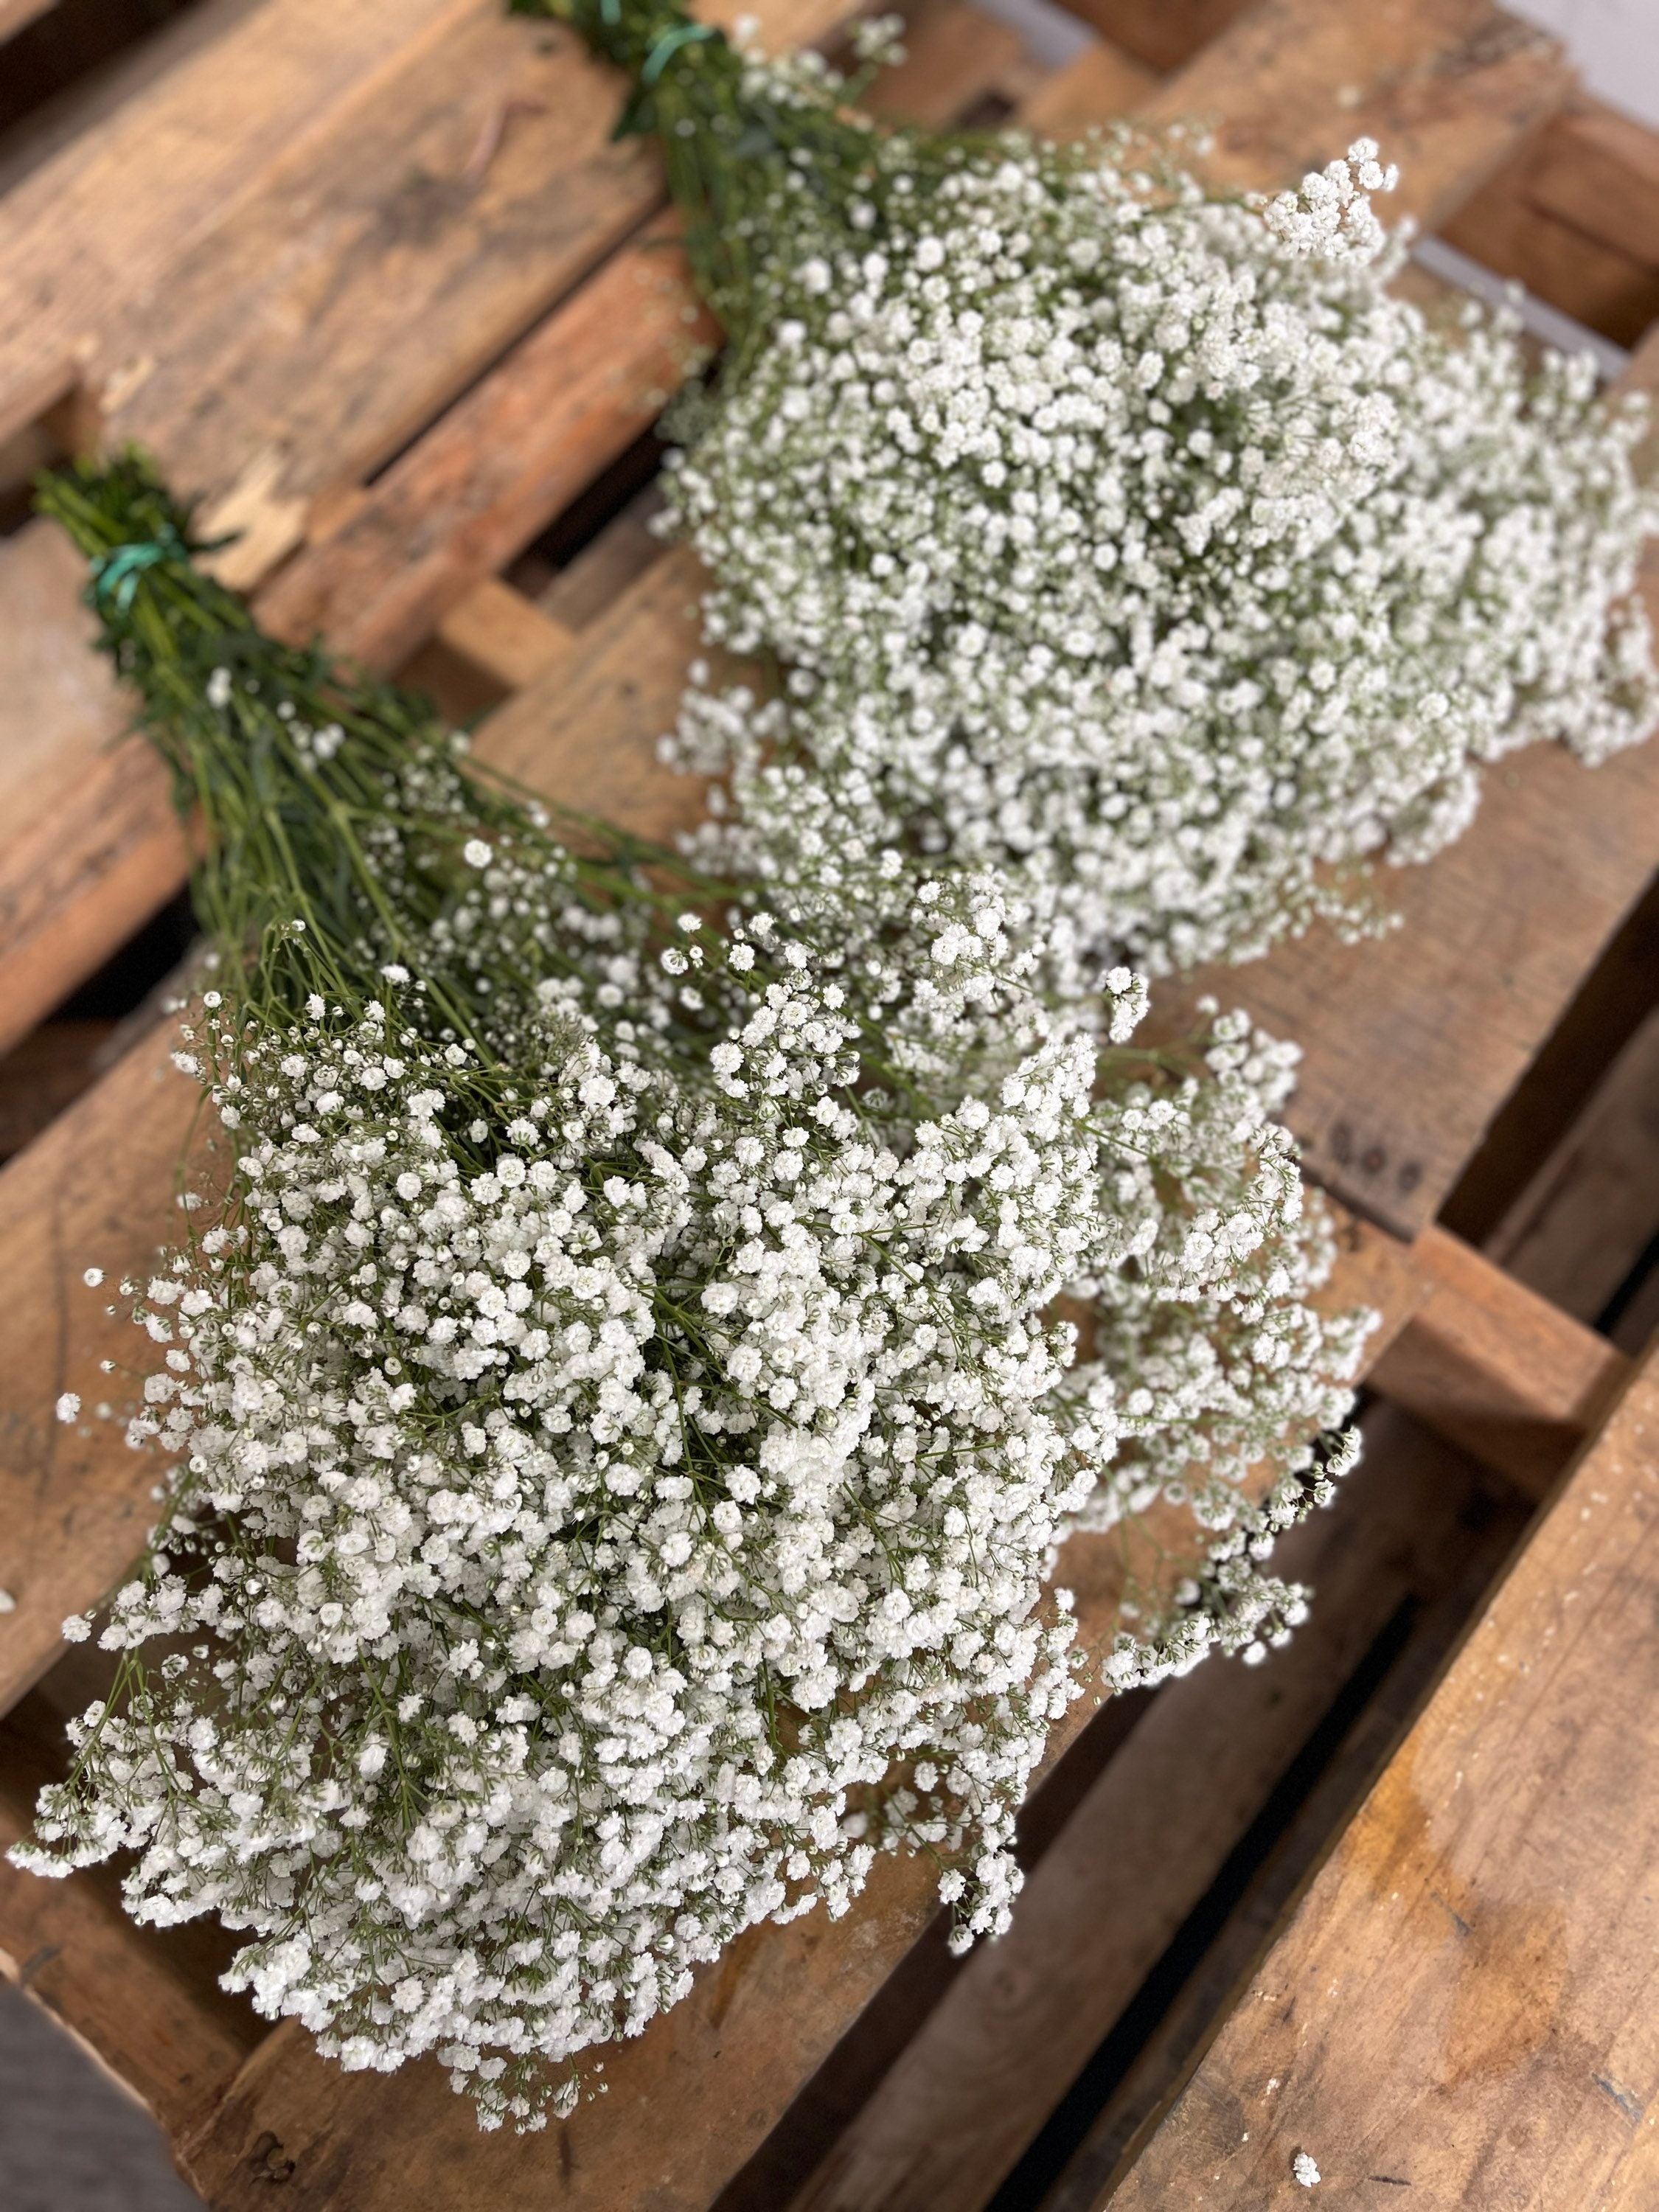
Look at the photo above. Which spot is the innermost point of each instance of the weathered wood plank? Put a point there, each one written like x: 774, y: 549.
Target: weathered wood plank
x: 96, y: 1189
x: 364, y: 282
x: 1448, y: 88
x: 76, y: 878
x: 1496, y: 1369
x: 102, y: 218
x: 464, y: 499
x: 561, y: 405
x: 1412, y: 1044
x: 1576, y: 219
x: 1464, y: 2004
x: 1161, y: 34
x: 1145, y: 1845
x: 305, y: 339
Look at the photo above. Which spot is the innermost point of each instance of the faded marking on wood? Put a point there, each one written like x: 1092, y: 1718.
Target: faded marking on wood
x: 1465, y: 1996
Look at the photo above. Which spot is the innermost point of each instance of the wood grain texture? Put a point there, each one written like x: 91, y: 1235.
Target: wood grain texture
x: 1496, y: 1369
x: 375, y: 273
x: 1411, y: 1045
x: 558, y: 408
x: 103, y: 218
x: 89, y: 845
x: 1161, y: 34
x: 1142, y: 1850
x: 1464, y: 2002
x: 1449, y: 87
x: 96, y: 1189
x: 503, y: 462
x: 503, y: 634
x: 356, y: 282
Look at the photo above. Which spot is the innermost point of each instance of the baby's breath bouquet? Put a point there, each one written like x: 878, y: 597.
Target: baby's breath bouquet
x: 1124, y: 533
x: 614, y: 1419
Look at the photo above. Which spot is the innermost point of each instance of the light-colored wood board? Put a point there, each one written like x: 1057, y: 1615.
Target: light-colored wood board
x: 502, y: 463
x: 331, y: 248
x: 1140, y: 1852
x: 954, y: 56
x: 1100, y: 83
x: 1464, y: 2002
x: 94, y: 1190
x: 1599, y: 170
x: 1411, y: 1045
x: 1497, y: 1369
x: 589, y: 584
x: 504, y: 634
x: 559, y: 407
x: 1317, y: 1796
x: 89, y: 844
x: 302, y: 341
x: 1584, y: 1220
x: 101, y: 222
x: 305, y: 339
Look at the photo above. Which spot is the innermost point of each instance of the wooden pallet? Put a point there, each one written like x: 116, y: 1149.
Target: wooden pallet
x: 373, y: 283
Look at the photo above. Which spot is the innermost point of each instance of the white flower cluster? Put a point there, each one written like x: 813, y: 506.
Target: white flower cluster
x: 1142, y: 542
x: 615, y: 1497
x: 620, y: 1416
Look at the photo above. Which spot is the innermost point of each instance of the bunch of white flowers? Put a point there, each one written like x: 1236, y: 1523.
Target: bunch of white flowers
x: 1129, y: 536
x: 617, y: 1423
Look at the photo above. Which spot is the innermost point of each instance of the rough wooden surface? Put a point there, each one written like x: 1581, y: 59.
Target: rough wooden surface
x: 105, y: 218
x: 1448, y: 87
x: 464, y: 499
x: 97, y: 1189
x: 1463, y: 2008
x: 1142, y: 1850
x: 89, y: 844
x: 356, y: 284
x: 1496, y: 1369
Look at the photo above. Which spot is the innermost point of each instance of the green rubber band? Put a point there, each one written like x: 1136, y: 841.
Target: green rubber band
x: 116, y: 575
x: 683, y: 35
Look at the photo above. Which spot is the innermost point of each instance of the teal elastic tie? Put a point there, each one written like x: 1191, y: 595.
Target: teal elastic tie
x: 683, y: 35
x: 116, y: 575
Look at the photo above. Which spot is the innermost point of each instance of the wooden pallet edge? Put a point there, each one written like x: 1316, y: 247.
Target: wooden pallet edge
x: 1458, y: 1866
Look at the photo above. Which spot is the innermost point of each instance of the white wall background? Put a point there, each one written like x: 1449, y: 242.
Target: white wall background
x: 1614, y: 45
